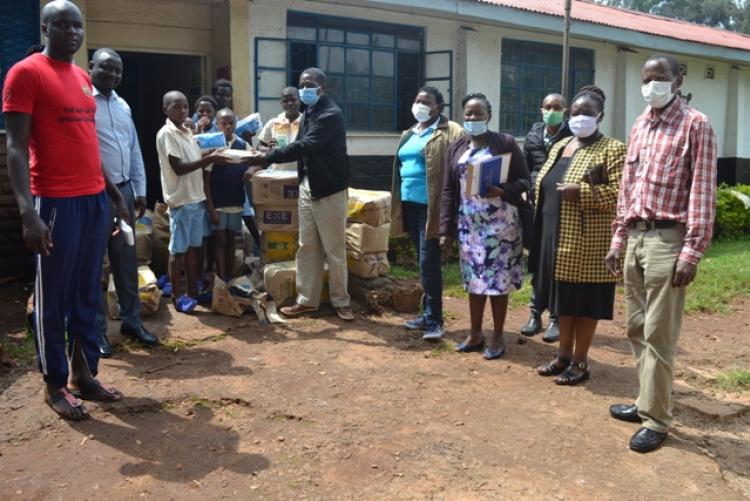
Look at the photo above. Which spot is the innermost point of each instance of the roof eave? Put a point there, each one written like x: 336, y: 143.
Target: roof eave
x: 518, y: 18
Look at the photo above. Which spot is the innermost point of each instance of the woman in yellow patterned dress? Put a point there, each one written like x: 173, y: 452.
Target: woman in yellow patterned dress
x: 576, y: 193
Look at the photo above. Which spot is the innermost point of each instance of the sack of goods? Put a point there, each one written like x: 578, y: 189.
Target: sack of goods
x: 280, y: 283
x: 144, y: 236
x: 148, y: 292
x: 367, y: 232
x: 160, y: 227
x: 368, y: 265
x: 369, y: 207
x: 278, y: 246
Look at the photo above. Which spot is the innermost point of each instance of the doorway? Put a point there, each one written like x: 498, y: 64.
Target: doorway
x: 146, y: 78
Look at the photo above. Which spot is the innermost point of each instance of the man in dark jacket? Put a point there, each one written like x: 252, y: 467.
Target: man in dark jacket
x: 323, y: 168
x: 542, y: 136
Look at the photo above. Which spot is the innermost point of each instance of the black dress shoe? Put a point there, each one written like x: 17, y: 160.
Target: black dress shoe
x: 625, y: 412
x: 646, y: 440
x: 552, y: 333
x: 105, y: 348
x: 140, y: 334
x: 533, y: 326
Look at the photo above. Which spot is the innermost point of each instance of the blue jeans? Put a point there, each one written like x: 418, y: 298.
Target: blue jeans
x: 428, y: 251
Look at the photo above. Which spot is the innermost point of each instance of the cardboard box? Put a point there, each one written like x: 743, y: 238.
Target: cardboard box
x: 365, y: 239
x: 368, y: 265
x: 369, y: 207
x: 280, y: 282
x: 276, y: 187
x: 278, y: 246
x: 277, y: 218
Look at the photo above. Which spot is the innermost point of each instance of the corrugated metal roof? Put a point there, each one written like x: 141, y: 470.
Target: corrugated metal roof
x: 633, y: 21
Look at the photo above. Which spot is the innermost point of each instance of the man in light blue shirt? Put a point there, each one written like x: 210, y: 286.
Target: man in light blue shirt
x: 122, y: 160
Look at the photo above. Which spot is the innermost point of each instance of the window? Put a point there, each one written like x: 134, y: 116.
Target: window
x: 369, y: 66
x: 531, y: 70
x: 20, y: 31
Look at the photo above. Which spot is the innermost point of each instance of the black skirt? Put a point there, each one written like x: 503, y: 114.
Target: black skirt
x: 594, y: 300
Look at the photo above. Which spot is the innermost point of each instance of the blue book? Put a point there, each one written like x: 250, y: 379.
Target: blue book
x: 211, y: 140
x: 488, y: 172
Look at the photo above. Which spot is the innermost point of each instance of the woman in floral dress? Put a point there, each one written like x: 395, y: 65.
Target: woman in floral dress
x: 488, y: 229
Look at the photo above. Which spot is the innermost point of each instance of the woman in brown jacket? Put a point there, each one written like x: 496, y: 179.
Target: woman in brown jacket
x: 417, y: 182
x: 488, y: 228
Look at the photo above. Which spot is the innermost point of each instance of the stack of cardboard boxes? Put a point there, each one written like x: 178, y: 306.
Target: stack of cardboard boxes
x: 367, y: 232
x: 275, y: 195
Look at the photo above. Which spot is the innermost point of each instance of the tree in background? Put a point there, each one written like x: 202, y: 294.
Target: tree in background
x: 731, y: 15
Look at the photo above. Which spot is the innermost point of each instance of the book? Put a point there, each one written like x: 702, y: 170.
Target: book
x: 482, y: 174
x: 211, y: 140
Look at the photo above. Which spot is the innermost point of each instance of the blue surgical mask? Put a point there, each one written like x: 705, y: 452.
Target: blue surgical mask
x: 309, y: 95
x: 475, y: 128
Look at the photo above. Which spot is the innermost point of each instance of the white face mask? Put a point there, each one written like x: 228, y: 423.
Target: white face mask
x: 421, y: 112
x: 657, y: 94
x: 583, y: 126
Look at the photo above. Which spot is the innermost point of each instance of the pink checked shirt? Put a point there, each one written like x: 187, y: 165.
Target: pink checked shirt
x: 670, y: 174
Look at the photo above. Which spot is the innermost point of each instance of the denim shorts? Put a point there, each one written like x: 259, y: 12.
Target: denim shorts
x: 186, y: 227
x: 231, y: 221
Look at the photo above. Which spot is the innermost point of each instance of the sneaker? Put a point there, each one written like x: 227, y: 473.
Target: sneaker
x: 434, y: 332
x: 417, y: 324
x: 345, y: 313
x: 185, y: 304
x: 162, y: 281
x: 205, y: 297
x: 166, y: 290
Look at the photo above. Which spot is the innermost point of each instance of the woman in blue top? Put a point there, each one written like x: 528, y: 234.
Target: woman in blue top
x: 418, y: 171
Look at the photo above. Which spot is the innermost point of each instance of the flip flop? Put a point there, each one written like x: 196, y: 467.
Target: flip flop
x: 97, y: 392
x: 63, y: 402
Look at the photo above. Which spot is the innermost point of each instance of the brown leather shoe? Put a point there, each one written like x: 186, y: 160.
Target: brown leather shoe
x: 345, y: 313
x: 297, y: 309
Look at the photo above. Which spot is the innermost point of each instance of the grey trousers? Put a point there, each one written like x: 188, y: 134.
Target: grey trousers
x: 124, y: 266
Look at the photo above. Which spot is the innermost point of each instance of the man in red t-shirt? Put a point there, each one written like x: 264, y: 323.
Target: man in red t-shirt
x: 57, y: 177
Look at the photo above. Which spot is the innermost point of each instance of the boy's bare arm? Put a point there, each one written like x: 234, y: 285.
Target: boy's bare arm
x: 181, y: 168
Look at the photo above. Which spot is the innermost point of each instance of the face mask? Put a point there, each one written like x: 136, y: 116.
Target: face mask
x: 475, y: 128
x: 421, y: 112
x: 309, y: 95
x: 552, y: 117
x: 583, y: 126
x: 657, y: 94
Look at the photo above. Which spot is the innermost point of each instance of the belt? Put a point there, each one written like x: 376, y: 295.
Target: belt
x: 652, y: 224
x: 123, y: 184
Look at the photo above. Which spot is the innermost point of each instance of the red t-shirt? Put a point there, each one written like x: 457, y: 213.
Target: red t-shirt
x: 63, y: 147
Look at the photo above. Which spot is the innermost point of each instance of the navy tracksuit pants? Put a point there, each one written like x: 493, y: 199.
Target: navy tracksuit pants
x: 68, y: 282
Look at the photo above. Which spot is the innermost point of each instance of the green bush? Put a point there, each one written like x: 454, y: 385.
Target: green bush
x: 732, y: 218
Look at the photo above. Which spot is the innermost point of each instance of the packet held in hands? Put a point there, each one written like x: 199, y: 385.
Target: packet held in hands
x: 250, y: 123
x: 127, y: 232
x: 211, y: 140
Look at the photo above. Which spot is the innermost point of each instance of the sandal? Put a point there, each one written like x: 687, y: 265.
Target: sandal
x: 574, y: 374
x: 297, y: 309
x: 95, y: 391
x: 66, y: 405
x: 555, y: 367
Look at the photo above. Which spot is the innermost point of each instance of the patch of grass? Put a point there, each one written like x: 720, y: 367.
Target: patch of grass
x: 735, y: 380
x: 19, y: 350
x: 723, y: 276
x: 442, y: 346
x: 453, y: 284
x: 176, y: 344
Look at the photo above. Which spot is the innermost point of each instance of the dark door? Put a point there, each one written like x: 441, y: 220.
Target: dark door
x: 146, y: 78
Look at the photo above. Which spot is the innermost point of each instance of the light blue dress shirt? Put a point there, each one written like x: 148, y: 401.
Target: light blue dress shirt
x: 118, y: 142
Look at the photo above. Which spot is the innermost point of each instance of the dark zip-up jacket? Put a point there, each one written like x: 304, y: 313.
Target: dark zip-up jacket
x: 320, y: 149
x: 534, y: 149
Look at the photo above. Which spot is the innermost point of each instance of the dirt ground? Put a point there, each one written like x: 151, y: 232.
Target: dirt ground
x: 319, y: 409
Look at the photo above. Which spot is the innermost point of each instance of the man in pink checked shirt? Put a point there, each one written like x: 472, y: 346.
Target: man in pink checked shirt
x: 665, y: 214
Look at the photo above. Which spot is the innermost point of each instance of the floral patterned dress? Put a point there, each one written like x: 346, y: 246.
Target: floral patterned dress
x: 489, y: 239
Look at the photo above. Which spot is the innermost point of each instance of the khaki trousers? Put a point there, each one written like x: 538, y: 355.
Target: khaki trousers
x: 654, y: 317
x: 322, y: 237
